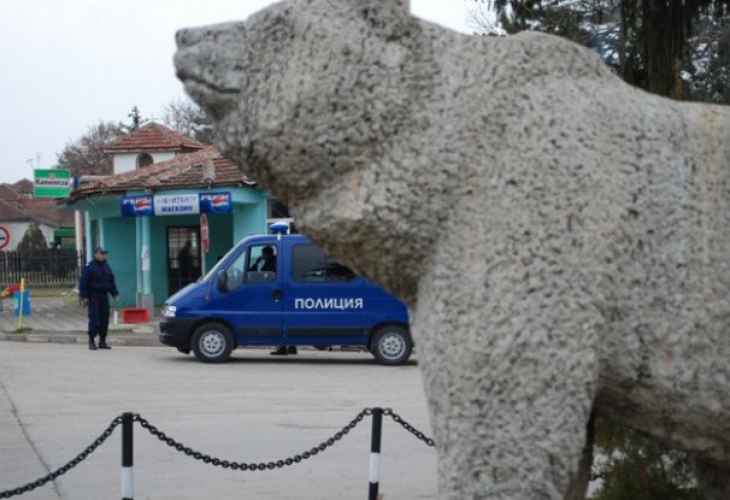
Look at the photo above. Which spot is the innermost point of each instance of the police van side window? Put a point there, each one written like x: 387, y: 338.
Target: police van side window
x: 255, y: 265
x: 311, y: 265
x: 261, y: 264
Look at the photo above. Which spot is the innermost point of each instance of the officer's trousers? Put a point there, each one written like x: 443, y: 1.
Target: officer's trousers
x: 98, y: 315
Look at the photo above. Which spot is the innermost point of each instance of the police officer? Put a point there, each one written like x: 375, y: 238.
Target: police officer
x: 97, y: 282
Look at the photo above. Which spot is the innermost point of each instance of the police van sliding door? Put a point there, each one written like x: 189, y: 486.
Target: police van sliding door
x: 323, y: 300
x: 251, y: 300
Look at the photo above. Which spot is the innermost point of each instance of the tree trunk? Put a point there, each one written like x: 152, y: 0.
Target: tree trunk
x: 663, y: 27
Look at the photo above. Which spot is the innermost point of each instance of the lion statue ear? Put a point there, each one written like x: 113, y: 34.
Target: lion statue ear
x: 388, y: 17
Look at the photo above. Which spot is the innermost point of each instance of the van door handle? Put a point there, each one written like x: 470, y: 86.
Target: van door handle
x: 276, y: 294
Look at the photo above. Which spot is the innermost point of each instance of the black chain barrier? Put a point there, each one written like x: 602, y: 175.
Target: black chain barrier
x: 70, y: 465
x: 217, y: 462
x: 243, y: 466
x: 399, y: 420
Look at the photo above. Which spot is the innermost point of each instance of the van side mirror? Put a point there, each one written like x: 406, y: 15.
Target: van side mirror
x: 222, y: 280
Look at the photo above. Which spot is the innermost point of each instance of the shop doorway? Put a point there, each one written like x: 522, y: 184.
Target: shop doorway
x: 183, y: 257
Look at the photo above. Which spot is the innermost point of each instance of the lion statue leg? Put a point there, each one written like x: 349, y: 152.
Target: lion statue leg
x: 510, y: 381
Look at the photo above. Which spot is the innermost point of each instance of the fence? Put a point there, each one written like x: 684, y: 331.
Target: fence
x: 127, y: 421
x: 44, y: 267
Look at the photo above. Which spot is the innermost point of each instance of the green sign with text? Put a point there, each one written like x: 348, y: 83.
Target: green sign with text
x: 51, y: 183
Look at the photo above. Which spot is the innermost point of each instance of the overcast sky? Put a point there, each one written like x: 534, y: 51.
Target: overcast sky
x: 67, y: 64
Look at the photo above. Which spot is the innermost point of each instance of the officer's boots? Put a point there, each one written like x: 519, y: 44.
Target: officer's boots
x: 103, y: 344
x: 92, y: 344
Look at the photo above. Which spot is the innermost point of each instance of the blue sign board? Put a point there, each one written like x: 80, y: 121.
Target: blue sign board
x: 176, y: 204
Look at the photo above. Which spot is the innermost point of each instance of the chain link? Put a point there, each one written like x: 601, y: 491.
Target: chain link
x: 226, y: 464
x: 70, y: 465
x: 252, y: 466
x: 399, y: 420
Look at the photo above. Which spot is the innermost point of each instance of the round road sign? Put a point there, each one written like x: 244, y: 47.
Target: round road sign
x: 4, y: 237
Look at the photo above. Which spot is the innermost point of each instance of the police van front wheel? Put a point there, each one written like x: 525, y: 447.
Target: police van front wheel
x: 391, y: 345
x: 212, y: 343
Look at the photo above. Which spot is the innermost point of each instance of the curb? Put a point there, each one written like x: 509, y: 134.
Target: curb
x: 134, y: 338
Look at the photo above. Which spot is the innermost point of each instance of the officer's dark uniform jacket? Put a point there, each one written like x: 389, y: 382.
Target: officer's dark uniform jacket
x: 97, y: 277
x: 97, y: 282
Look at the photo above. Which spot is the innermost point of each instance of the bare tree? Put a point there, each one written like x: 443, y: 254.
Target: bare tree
x: 86, y: 156
x: 485, y: 18
x: 186, y: 117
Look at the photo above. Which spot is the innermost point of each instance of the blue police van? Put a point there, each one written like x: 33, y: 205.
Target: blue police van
x: 282, y: 290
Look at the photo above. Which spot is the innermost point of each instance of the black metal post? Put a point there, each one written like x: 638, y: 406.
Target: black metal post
x: 127, y: 456
x: 375, y: 440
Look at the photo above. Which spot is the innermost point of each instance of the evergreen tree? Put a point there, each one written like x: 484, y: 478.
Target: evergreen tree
x: 653, y: 41
x: 33, y: 241
x: 634, y: 467
x: 137, y: 120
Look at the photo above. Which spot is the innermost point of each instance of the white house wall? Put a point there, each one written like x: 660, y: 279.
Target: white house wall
x: 17, y: 231
x: 126, y: 162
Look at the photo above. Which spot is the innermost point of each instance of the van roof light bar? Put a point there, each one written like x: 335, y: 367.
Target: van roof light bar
x: 279, y: 228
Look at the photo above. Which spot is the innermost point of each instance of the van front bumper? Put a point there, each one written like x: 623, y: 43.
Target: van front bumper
x: 176, y: 332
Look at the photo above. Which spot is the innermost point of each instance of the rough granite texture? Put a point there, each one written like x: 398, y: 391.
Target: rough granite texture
x: 562, y: 239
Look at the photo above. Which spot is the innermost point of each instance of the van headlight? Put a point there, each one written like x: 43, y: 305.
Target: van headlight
x: 169, y: 311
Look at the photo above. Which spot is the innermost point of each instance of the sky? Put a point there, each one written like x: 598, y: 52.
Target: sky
x: 67, y: 64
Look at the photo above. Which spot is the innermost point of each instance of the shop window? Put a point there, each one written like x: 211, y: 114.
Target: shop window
x: 183, y: 257
x: 276, y: 211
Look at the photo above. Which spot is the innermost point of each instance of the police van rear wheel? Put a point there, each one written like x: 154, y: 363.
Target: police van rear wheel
x: 391, y: 345
x: 212, y: 343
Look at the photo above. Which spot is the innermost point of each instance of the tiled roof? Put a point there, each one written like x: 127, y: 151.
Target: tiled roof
x: 8, y: 213
x: 153, y: 137
x: 8, y: 194
x: 204, y: 168
x: 14, y: 207
x: 46, y: 209
x: 24, y: 186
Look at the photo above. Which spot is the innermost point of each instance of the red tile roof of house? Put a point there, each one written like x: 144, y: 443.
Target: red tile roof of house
x: 9, y: 213
x: 201, y: 169
x: 24, y: 186
x: 8, y: 193
x: 15, y: 207
x: 43, y: 211
x: 153, y: 137
x: 46, y: 209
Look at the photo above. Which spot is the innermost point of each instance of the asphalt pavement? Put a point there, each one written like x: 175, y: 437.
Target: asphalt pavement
x: 55, y: 399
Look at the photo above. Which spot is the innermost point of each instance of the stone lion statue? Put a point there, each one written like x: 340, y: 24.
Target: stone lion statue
x: 562, y: 239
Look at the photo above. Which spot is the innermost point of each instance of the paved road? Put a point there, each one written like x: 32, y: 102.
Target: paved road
x: 55, y: 399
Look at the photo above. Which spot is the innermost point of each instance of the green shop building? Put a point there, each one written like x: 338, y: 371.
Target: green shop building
x: 173, y: 207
